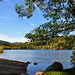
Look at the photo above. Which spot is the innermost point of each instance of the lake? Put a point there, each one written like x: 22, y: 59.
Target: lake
x: 44, y: 58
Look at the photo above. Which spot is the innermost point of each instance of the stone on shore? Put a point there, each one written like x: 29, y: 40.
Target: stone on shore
x: 56, y: 66
x: 39, y: 73
x: 35, y: 63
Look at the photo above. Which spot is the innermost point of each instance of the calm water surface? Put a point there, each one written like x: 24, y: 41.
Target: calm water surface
x: 44, y: 58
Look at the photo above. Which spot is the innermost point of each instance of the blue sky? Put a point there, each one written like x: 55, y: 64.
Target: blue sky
x: 13, y: 28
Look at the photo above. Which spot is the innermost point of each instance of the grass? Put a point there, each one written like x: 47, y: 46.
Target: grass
x: 1, y: 49
x: 58, y: 73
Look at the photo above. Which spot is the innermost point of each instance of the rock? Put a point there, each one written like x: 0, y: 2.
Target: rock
x: 35, y: 63
x: 28, y: 62
x: 39, y: 73
x: 56, y: 66
x: 44, y: 70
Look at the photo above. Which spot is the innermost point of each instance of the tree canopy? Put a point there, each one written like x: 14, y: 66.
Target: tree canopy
x: 49, y: 7
x: 60, y: 13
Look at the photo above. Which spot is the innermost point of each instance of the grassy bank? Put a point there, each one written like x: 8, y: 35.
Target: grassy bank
x: 58, y: 73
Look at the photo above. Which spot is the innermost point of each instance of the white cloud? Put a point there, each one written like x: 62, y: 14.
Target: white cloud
x: 6, y: 23
x: 19, y: 32
x: 31, y: 24
x: 1, y: 35
x: 9, y: 2
x: 4, y: 18
x: 3, y: 23
x: 6, y: 38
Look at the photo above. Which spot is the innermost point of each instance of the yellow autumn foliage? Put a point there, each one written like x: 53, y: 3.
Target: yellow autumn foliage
x: 1, y: 49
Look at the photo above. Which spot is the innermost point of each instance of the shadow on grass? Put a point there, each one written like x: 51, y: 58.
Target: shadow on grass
x: 58, y: 73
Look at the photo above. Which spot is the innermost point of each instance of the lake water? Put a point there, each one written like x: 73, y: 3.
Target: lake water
x: 44, y: 58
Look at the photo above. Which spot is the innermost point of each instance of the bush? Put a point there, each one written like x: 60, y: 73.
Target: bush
x: 1, y: 49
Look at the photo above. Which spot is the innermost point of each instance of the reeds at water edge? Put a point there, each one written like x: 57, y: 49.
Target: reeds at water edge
x: 1, y: 49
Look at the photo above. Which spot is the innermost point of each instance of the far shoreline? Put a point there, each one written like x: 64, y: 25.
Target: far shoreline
x: 33, y: 49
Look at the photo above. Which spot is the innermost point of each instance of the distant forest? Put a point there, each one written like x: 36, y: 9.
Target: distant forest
x: 56, y: 43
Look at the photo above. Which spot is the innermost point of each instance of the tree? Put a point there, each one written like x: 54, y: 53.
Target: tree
x: 73, y: 57
x: 72, y: 6
x: 45, y: 6
x: 61, y: 13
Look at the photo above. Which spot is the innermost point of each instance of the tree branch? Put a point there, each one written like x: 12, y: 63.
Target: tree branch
x: 71, y: 5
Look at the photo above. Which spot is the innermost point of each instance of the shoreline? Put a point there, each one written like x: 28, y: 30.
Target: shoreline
x: 32, y: 49
x: 10, y: 67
